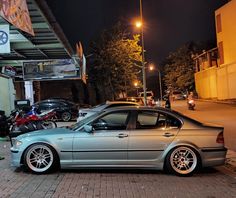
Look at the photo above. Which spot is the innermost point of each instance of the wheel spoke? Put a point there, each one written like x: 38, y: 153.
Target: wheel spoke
x: 186, y: 153
x: 41, y: 150
x: 45, y: 163
x: 38, y: 164
x: 33, y: 160
x: 34, y: 152
x: 186, y: 166
x: 190, y: 160
x: 47, y: 155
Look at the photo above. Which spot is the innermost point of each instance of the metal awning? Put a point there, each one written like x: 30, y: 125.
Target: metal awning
x: 49, y: 41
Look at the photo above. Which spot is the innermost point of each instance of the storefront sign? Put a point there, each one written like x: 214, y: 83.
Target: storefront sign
x: 4, y: 39
x: 50, y: 70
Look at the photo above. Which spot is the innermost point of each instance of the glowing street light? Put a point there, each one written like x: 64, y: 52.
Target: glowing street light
x: 136, y: 86
x: 138, y: 24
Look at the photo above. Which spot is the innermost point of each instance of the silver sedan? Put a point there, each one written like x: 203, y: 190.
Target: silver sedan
x: 124, y: 137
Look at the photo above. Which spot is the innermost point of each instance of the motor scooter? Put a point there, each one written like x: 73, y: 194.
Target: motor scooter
x: 191, y: 104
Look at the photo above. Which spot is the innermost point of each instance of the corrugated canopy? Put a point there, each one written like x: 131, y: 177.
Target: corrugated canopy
x: 49, y: 41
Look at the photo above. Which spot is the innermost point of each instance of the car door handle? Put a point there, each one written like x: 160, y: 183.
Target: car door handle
x: 168, y: 134
x: 121, y: 135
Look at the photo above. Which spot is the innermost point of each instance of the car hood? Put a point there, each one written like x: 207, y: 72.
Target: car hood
x: 48, y: 132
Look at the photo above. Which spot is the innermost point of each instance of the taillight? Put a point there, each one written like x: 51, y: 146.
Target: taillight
x: 220, y: 138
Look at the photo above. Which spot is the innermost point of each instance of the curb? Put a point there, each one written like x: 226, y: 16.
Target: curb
x: 3, y: 139
x: 231, y: 102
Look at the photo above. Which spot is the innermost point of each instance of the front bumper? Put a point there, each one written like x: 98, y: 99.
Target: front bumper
x: 15, y: 157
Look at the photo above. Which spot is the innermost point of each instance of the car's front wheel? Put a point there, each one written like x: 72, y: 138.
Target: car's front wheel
x: 66, y: 116
x: 40, y: 158
x: 182, y: 161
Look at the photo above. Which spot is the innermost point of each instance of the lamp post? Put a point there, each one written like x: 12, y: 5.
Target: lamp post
x: 140, y: 25
x: 151, y: 67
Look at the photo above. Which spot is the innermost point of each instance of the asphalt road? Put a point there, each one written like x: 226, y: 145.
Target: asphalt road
x: 211, y: 112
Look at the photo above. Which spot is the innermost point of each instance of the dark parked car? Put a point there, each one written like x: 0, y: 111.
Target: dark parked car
x: 66, y: 110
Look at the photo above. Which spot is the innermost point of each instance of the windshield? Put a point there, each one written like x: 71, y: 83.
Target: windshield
x: 84, y: 121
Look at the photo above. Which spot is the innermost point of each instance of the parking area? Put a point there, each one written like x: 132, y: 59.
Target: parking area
x: 87, y: 183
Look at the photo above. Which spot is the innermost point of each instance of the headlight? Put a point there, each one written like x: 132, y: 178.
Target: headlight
x: 16, y: 143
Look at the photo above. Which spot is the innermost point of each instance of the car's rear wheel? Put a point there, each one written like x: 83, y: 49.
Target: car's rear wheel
x: 66, y: 116
x: 182, y: 161
x: 49, y: 124
x: 40, y: 158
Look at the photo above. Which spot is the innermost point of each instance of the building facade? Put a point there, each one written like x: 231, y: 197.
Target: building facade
x: 216, y: 69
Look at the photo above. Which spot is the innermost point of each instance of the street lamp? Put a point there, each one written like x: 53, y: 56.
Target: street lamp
x: 136, y: 86
x: 151, y: 68
x: 140, y: 25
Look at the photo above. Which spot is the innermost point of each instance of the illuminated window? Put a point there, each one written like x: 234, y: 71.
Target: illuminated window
x: 218, y: 23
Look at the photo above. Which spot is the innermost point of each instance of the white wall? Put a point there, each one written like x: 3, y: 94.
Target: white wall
x: 7, y: 95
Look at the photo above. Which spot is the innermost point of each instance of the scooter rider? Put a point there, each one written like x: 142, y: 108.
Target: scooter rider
x: 190, y: 96
x: 190, y: 101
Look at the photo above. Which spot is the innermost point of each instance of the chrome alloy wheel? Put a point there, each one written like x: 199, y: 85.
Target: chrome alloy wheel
x: 39, y: 158
x: 183, y: 160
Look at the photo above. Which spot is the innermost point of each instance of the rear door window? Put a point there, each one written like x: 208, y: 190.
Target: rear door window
x: 151, y: 120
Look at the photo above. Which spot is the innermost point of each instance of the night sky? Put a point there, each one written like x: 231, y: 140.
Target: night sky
x: 168, y: 23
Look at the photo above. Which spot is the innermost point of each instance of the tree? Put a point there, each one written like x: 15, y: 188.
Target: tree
x: 116, y: 62
x: 179, y: 67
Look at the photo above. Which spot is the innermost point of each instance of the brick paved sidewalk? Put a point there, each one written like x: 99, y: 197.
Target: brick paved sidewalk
x: 231, y: 160
x: 16, y: 183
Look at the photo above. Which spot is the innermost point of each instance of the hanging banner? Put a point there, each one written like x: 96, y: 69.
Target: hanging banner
x: 16, y: 12
x: 4, y: 39
x: 82, y: 61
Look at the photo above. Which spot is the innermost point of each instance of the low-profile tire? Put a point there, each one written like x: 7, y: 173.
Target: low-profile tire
x: 40, y: 158
x: 66, y: 116
x: 182, y: 161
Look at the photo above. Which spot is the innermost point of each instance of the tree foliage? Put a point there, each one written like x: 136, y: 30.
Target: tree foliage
x: 179, y: 67
x: 116, y: 62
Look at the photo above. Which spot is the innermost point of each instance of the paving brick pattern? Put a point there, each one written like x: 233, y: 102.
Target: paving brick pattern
x: 17, y: 183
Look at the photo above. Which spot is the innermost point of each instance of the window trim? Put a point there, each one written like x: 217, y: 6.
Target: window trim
x: 159, y: 112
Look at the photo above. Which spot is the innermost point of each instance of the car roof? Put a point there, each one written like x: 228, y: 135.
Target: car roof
x: 138, y: 108
x: 122, y: 102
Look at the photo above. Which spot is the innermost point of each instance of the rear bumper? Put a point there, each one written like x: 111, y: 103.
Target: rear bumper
x: 213, y: 156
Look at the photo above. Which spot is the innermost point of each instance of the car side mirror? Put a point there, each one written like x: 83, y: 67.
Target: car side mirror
x: 88, y: 128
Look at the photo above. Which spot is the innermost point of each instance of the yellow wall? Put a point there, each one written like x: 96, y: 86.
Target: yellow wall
x: 228, y: 33
x: 217, y: 82
x: 205, y: 82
